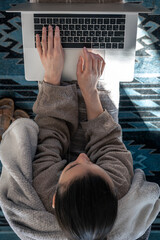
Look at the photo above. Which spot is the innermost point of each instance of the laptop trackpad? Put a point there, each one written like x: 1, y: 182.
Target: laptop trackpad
x: 71, y: 60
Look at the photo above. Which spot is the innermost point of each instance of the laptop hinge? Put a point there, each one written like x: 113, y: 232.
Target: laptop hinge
x: 76, y: 1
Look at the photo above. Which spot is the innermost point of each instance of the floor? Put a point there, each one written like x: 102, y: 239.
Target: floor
x: 139, y: 110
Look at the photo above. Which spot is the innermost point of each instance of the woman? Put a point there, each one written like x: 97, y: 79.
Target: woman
x: 84, y: 197
x: 83, y: 194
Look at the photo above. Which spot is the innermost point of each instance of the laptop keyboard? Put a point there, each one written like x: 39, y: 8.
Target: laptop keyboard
x: 90, y: 31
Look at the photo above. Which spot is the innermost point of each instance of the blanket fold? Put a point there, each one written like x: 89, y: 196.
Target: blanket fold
x: 24, y: 210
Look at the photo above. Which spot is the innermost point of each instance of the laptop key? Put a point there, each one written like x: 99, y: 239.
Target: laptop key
x: 91, y: 33
x: 62, y: 21
x: 106, y: 21
x: 38, y: 27
x: 73, y: 33
x: 115, y: 27
x: 76, y: 39
x: 90, y: 27
x: 98, y: 33
x: 116, y: 39
x: 93, y: 21
x: 94, y: 39
x: 49, y: 21
x: 114, y: 45
x: 121, y: 21
x: 71, y: 27
x: 88, y: 39
x: 107, y: 39
x: 65, y: 27
x: 100, y: 21
x: 120, y: 45
x: 96, y: 27
x: 103, y: 27
x: 55, y: 20
x: 38, y: 32
x: 95, y: 45
x: 109, y: 27
x: 101, y: 39
x: 85, y: 33
x: 43, y: 20
x: 74, y: 20
x: 122, y: 27
x: 76, y: 45
x: 79, y: 33
x: 68, y: 21
x: 104, y: 33
x: 110, y: 33
x: 70, y: 39
x: 82, y: 39
x: 119, y: 33
x: 108, y: 45
x: 78, y: 27
x: 112, y: 21
x: 81, y: 21
x: 102, y: 45
x: 67, y: 33
x: 36, y: 20
x: 84, y: 27
x: 87, y: 20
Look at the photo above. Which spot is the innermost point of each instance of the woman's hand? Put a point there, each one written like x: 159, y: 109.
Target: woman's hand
x: 89, y: 71
x: 51, y: 57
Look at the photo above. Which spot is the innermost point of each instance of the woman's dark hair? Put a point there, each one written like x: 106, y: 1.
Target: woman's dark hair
x: 86, y: 208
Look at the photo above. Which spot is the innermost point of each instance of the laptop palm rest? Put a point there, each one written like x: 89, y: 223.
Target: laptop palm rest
x: 119, y: 65
x: 35, y: 70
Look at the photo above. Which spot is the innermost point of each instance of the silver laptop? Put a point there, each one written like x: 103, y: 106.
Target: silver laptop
x: 106, y: 29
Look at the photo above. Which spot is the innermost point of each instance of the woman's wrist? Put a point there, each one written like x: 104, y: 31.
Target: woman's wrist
x: 52, y: 80
x: 93, y: 104
x: 89, y: 94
